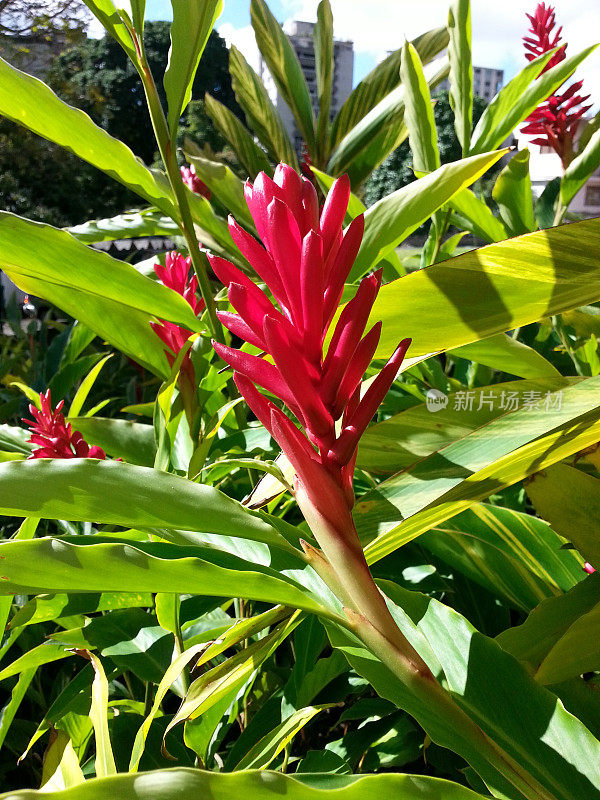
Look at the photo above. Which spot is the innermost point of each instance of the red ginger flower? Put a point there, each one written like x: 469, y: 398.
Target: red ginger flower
x: 53, y: 434
x: 175, y: 274
x: 554, y: 123
x: 193, y: 182
x: 305, y: 261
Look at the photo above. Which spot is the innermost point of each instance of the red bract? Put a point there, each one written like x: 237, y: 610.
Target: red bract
x: 53, y: 435
x: 193, y: 182
x: 554, y: 123
x: 305, y: 261
x: 176, y: 275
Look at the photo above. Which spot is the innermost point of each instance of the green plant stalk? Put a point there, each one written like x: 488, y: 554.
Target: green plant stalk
x: 168, y: 154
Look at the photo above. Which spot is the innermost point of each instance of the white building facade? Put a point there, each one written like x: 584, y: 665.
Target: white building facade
x: 300, y: 35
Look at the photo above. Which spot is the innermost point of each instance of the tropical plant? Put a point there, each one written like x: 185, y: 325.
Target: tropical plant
x: 433, y: 638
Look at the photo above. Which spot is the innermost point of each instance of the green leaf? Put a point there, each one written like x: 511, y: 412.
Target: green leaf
x: 381, y: 81
x: 515, y: 102
x: 105, y: 761
x: 403, y: 439
x: 187, y: 782
x: 45, y: 608
x: 514, y: 555
x: 493, y: 289
x: 30, y: 103
x: 285, y: 68
x: 393, y: 218
x: 268, y: 748
x: 223, y: 183
x: 489, y: 459
x: 106, y: 12
x: 107, y: 295
x: 580, y: 169
x: 557, y: 640
x: 475, y: 216
x: 252, y: 157
x: 259, y: 110
x: 86, y: 387
x: 90, y: 567
x: 124, y: 226
x: 512, y: 193
x: 102, y: 491
x: 190, y: 29
x: 545, y: 205
x: 507, y: 355
x: 17, y: 695
x: 15, y: 440
x: 570, y: 500
x: 120, y: 438
x: 418, y: 112
x: 324, y: 66
x: 461, y: 70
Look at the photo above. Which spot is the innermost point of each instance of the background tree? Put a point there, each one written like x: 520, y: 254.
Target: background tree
x: 27, y: 17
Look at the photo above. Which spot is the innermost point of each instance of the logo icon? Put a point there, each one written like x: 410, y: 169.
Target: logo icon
x: 435, y: 400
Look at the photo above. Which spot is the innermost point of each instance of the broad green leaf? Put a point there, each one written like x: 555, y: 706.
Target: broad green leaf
x: 61, y: 764
x: 569, y: 500
x: 512, y: 554
x: 120, y: 438
x: 552, y: 642
x: 106, y: 12
x: 122, y: 494
x: 45, y: 653
x: 45, y: 608
x: 223, y: 183
x: 545, y: 206
x: 90, y: 567
x: 190, y: 29
x: 380, y: 129
x: 268, y: 748
x: 399, y: 441
x: 495, y: 456
x: 86, y: 386
x: 324, y: 66
x: 474, y: 215
x: 380, y: 82
x: 507, y: 355
x: 15, y: 440
x: 393, y: 218
x: 187, y: 782
x: 31, y: 103
x: 515, y: 102
x: 259, y: 110
x: 285, y: 68
x: 580, y: 169
x: 461, y: 70
x: 105, y: 761
x: 418, y: 112
x: 107, y: 295
x: 124, y: 226
x: 512, y: 193
x: 493, y: 289
x: 252, y: 157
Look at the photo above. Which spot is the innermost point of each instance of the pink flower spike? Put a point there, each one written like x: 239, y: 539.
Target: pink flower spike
x: 342, y: 264
x: 311, y: 290
x: 309, y: 219
x: 53, y: 435
x: 334, y: 211
x: 237, y: 326
x: 356, y: 368
x: 257, y: 256
x: 587, y: 567
x: 193, y: 182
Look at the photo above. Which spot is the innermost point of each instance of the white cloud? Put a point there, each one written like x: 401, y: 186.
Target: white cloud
x: 243, y: 39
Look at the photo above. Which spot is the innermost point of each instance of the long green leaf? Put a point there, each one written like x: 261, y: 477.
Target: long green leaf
x: 106, y: 12
x: 285, y: 68
x: 163, y: 784
x: 31, y: 103
x: 493, y: 289
x: 580, y: 169
x: 380, y: 82
x: 260, y: 112
x: 132, y: 441
x: 190, y: 29
x: 253, y: 158
x: 475, y: 216
x: 515, y: 102
x: 507, y: 355
x: 107, y: 295
x: 393, y: 218
x: 324, y: 65
x: 124, y: 226
x: 512, y: 193
x: 418, y: 112
x: 461, y: 70
x: 105, y: 760
x: 223, y: 183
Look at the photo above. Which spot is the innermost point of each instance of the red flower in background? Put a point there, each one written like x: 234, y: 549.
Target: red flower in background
x: 53, y: 435
x: 554, y: 123
x: 176, y: 275
x: 193, y: 182
x: 305, y: 262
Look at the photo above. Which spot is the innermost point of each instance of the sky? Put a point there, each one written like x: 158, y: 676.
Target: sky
x: 377, y: 26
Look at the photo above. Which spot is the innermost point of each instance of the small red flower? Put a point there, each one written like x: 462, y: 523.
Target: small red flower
x: 555, y: 122
x: 53, y: 435
x: 193, y: 182
x: 176, y: 275
x: 587, y: 567
x: 305, y: 261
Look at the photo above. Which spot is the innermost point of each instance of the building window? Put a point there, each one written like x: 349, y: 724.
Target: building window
x: 592, y: 195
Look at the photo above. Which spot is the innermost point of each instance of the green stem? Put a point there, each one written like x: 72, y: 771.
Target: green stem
x: 440, y: 235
